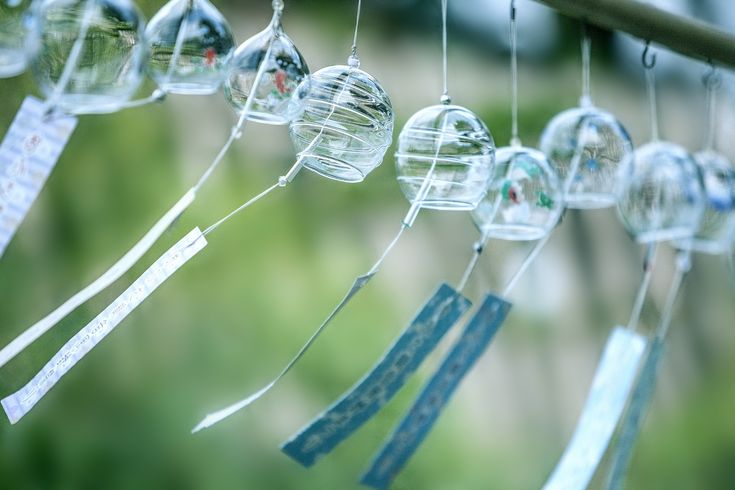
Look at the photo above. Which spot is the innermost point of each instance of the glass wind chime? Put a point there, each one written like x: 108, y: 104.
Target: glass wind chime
x: 89, y: 56
x: 444, y: 160
x: 714, y: 236
x: 182, y: 34
x: 529, y: 174
x: 660, y: 198
x: 338, y: 141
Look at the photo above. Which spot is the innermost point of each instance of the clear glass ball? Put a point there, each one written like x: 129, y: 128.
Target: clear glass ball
x: 279, y: 94
x: 660, y: 193
x: 346, y: 125
x: 206, y: 46
x: 454, y: 145
x: 717, y: 227
x: 602, y: 143
x: 16, y: 45
x: 524, y: 198
x: 110, y: 66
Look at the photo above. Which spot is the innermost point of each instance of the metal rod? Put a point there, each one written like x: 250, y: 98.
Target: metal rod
x: 684, y: 35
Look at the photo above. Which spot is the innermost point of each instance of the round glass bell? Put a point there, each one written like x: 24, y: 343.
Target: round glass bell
x: 16, y: 45
x: 660, y: 193
x: 346, y: 125
x: 599, y: 141
x: 196, y: 38
x: 107, y: 70
x: 453, y: 145
x: 717, y: 226
x: 280, y: 91
x: 524, y: 198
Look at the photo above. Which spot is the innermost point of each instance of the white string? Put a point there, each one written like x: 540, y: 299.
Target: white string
x: 525, y: 264
x: 357, y: 25
x: 683, y: 264
x: 479, y: 248
x: 640, y: 299
x: 514, y: 139
x: 712, y: 82
x: 652, y: 107
x: 585, y: 100
x: 445, y: 91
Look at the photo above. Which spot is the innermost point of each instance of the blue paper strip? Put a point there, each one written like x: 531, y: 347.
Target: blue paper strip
x: 383, y: 381
x: 605, y: 402
x: 419, y: 420
x: 630, y: 425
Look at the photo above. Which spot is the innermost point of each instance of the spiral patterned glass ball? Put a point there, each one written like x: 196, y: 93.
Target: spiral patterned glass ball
x: 109, y: 68
x: 284, y: 83
x: 453, y: 148
x: 205, y: 46
x: 660, y: 194
x: 524, y: 198
x: 717, y: 227
x: 16, y: 46
x: 346, y: 125
x: 600, y: 143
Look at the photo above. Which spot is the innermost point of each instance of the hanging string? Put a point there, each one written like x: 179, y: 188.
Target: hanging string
x: 445, y: 98
x: 712, y: 83
x: 683, y: 265
x: 585, y: 99
x: 648, y: 263
x: 514, y: 139
x: 649, y: 64
x: 353, y: 54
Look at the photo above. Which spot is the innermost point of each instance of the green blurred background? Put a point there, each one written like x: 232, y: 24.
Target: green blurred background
x: 230, y: 319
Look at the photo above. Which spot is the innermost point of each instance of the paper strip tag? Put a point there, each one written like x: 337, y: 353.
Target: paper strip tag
x: 112, y: 274
x: 28, y: 153
x: 630, y: 425
x: 610, y: 389
x: 418, y: 421
x: 21, y: 402
x: 381, y: 383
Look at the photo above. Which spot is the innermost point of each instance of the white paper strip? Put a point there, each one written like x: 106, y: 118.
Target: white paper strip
x: 21, y: 402
x: 610, y: 389
x: 111, y: 275
x: 28, y: 153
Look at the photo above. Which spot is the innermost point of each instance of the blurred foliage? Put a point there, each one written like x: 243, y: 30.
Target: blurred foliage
x: 229, y: 320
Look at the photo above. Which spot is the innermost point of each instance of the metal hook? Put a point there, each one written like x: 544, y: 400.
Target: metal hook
x: 648, y: 62
x: 712, y: 79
